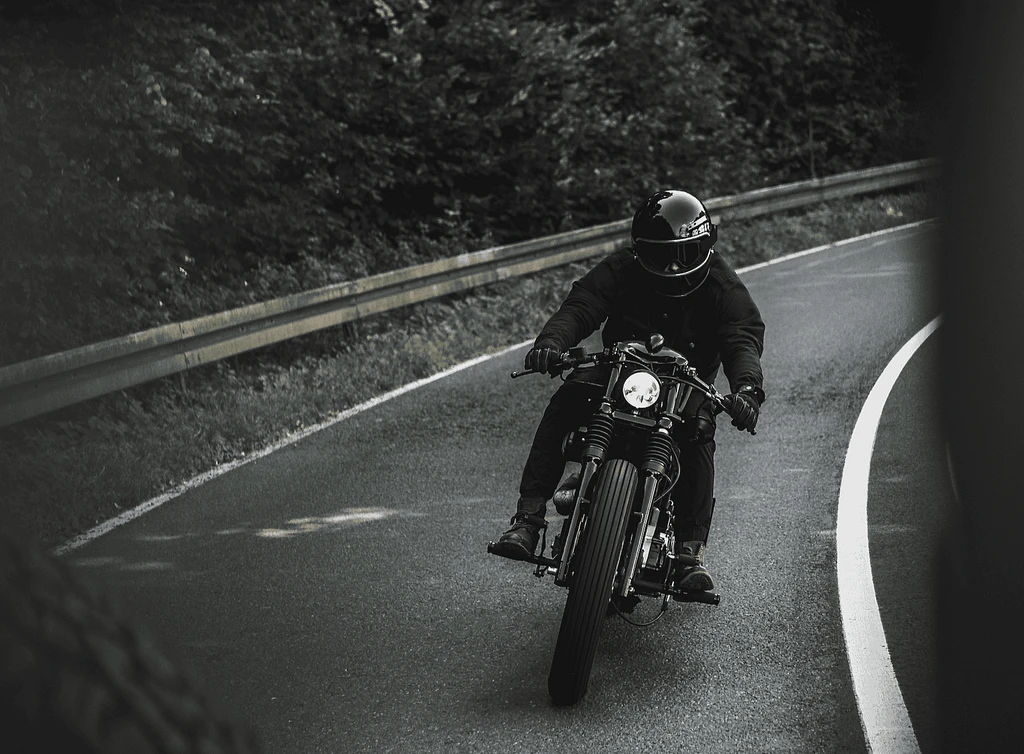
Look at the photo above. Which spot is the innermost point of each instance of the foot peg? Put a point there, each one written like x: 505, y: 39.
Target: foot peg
x: 708, y: 598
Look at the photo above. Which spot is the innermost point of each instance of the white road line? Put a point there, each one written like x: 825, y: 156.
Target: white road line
x: 837, y: 244
x: 206, y: 476
x: 217, y: 471
x: 883, y: 714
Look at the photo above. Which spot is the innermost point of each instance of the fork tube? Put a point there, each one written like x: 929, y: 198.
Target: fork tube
x: 646, y: 504
x: 589, y: 469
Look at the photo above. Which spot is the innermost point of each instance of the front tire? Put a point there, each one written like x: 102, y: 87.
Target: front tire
x: 592, y: 582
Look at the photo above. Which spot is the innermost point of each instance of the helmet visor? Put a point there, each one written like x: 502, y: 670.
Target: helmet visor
x: 674, y: 257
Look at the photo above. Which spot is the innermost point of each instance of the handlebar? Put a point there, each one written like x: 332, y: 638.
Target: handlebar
x: 577, y: 357
x: 570, y: 360
x: 522, y: 373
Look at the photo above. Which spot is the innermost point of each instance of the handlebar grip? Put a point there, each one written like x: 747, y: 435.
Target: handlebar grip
x: 726, y: 406
x: 564, y: 362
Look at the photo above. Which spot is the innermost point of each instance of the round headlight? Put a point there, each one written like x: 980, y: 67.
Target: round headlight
x: 641, y: 389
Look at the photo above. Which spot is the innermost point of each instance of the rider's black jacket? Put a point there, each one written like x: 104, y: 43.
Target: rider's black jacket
x: 716, y: 325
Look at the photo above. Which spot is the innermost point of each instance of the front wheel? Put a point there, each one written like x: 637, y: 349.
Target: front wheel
x: 592, y: 581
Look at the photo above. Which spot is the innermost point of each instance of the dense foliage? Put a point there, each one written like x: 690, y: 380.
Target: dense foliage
x: 166, y: 159
x: 820, y: 90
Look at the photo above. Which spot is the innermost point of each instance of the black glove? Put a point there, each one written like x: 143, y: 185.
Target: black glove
x: 542, y: 359
x: 744, y: 407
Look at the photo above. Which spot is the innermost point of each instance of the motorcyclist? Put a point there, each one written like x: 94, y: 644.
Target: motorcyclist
x: 671, y: 281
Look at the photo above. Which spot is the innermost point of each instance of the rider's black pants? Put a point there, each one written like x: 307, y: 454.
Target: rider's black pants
x: 571, y: 407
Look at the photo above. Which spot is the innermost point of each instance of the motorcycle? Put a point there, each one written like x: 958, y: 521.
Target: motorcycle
x: 616, y: 543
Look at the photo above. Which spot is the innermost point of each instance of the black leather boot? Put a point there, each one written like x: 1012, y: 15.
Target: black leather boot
x: 520, y: 540
x: 690, y: 573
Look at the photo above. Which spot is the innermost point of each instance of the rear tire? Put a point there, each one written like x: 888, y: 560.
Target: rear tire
x: 592, y: 581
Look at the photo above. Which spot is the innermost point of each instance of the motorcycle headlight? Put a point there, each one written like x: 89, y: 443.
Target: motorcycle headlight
x: 641, y: 389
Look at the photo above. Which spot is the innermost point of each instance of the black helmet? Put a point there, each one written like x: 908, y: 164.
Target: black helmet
x: 673, y: 239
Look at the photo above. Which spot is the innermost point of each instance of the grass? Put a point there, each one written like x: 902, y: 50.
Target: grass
x: 67, y: 471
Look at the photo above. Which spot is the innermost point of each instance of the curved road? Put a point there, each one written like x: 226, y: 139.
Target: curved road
x: 336, y: 594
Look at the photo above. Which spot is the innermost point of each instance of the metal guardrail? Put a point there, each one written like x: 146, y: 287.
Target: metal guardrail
x: 34, y: 387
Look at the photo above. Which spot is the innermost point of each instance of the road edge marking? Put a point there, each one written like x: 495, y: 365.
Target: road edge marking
x: 837, y: 244
x: 155, y: 502
x: 290, y: 439
x: 883, y: 713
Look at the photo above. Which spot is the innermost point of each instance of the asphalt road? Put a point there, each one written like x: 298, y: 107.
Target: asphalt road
x: 336, y: 595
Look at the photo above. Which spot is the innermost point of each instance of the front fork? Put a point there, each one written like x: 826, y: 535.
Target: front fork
x: 654, y: 467
x: 570, y: 531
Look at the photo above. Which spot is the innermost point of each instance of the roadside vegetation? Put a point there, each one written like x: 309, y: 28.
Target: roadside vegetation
x: 164, y: 160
